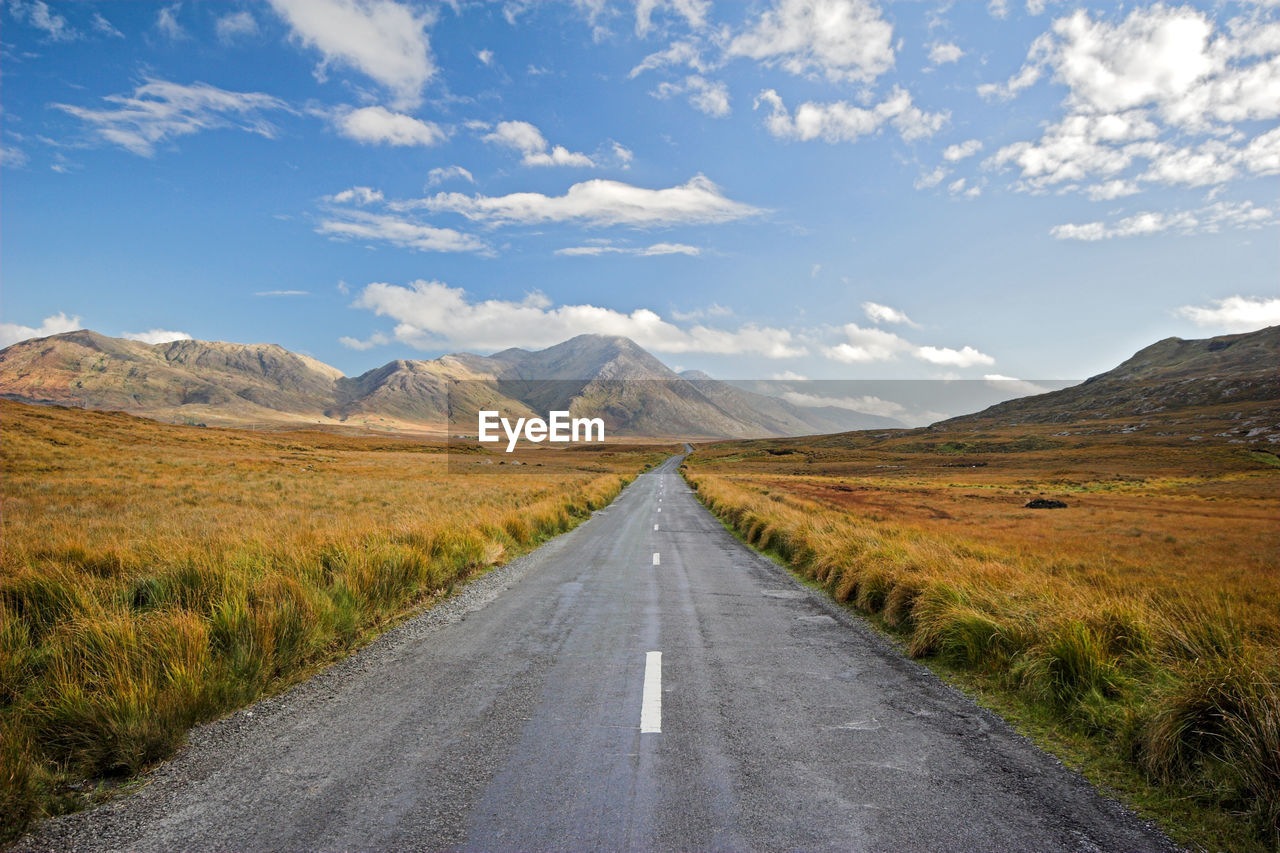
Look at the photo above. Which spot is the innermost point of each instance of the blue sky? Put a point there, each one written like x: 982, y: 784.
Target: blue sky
x: 817, y: 188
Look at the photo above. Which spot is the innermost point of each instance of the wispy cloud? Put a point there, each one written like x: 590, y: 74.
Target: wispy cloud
x: 525, y: 139
x: 160, y: 111
x: 282, y: 293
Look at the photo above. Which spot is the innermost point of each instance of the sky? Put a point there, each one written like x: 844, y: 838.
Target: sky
x: 809, y: 188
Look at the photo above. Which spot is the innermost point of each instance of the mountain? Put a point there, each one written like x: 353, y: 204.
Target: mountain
x: 234, y: 384
x: 1166, y: 381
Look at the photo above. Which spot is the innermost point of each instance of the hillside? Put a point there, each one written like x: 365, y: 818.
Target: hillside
x: 1160, y: 383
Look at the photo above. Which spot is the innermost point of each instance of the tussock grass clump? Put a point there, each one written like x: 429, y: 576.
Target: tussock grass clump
x: 155, y: 577
x: 1177, y: 677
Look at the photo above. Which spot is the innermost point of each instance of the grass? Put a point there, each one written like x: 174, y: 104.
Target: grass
x: 155, y: 576
x: 1140, y: 626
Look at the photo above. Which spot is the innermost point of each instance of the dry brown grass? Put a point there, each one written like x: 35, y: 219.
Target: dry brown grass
x: 154, y: 576
x: 1145, y: 615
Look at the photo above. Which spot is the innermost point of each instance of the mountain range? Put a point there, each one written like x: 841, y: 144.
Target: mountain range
x: 227, y: 384
x: 1233, y: 378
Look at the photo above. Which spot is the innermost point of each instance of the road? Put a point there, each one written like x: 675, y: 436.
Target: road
x: 644, y: 682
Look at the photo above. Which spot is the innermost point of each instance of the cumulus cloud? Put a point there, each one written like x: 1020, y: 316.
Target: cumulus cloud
x: 1235, y: 313
x: 236, y: 25
x: 707, y: 96
x: 56, y: 324
x: 432, y: 315
x: 1154, y: 97
x: 645, y: 251
x: 843, y: 40
x: 961, y: 150
x: 378, y: 125
x: 384, y: 40
x: 485, y: 56
x: 878, y: 313
x: 840, y: 121
x: 356, y: 195
x: 399, y: 231
x: 931, y: 178
x: 963, y: 357
x: 940, y: 53
x: 868, y: 345
x: 525, y: 139
x: 598, y: 202
x: 1210, y: 219
x: 156, y: 336
x: 159, y: 111
x: 441, y: 174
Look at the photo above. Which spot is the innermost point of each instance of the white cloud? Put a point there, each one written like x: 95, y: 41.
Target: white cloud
x: 431, y: 315
x: 788, y: 376
x: 356, y: 195
x: 1118, y: 188
x: 713, y: 310
x: 843, y: 122
x: 694, y: 13
x: 156, y: 336
x: 1013, y: 385
x: 964, y: 357
x: 878, y: 313
x: 1210, y: 219
x: 525, y: 139
x: 12, y: 157
x: 159, y: 111
x: 1235, y: 313
x: 598, y: 202
x: 959, y: 151
x: 56, y: 324
x: 374, y: 125
x: 104, y: 27
x: 37, y: 14
x: 845, y: 40
x: 707, y: 96
x: 647, y: 251
x: 398, y: 231
x: 678, y: 53
x: 867, y: 404
x: 382, y: 39
x: 275, y: 293
x: 441, y: 174
x: 485, y: 56
x: 167, y: 23
x: 1140, y: 89
x: 377, y: 339
x: 866, y: 345
x: 235, y: 25
x: 931, y: 179
x: 940, y: 53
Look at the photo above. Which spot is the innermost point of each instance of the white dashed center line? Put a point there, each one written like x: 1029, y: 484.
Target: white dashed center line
x: 651, y: 701
x: 656, y: 559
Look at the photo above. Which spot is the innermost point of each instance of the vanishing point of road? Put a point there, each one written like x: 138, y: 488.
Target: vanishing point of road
x: 644, y: 682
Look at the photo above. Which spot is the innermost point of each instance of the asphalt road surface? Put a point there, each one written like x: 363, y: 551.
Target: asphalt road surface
x: 644, y: 682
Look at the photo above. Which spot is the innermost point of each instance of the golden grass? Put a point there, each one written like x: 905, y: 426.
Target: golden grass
x: 1145, y: 615
x: 155, y: 576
